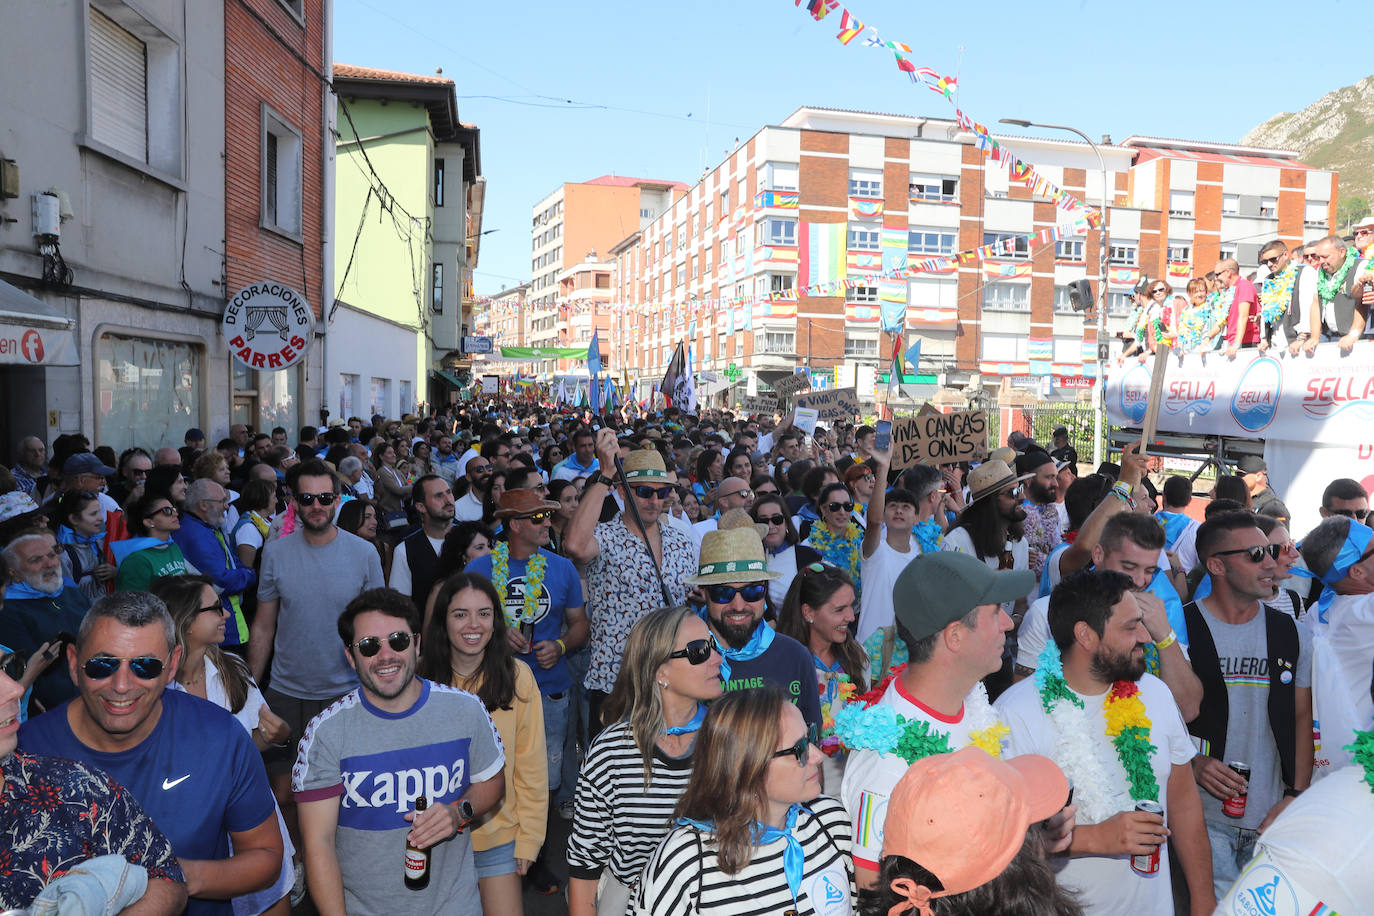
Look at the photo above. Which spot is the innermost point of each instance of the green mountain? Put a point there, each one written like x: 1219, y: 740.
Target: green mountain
x: 1334, y: 132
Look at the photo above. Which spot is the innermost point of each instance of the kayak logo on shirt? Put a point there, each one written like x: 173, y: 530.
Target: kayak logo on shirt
x: 1265, y: 892
x: 380, y: 789
x: 515, y: 600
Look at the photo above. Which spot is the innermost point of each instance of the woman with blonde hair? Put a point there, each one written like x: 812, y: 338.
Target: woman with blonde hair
x: 639, y: 765
x: 753, y: 836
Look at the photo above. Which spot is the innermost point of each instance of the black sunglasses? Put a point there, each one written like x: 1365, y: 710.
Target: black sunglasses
x: 836, y: 507
x: 1268, y: 261
x: 12, y: 664
x: 369, y: 646
x: 1254, y: 554
x: 724, y: 594
x: 309, y: 499
x: 1357, y: 514
x: 644, y: 492
x: 143, y: 667
x: 802, y: 749
x: 165, y: 510
x: 217, y: 608
x: 698, y: 651
x: 771, y: 519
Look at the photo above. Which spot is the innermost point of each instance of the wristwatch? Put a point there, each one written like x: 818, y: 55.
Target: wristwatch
x: 599, y: 477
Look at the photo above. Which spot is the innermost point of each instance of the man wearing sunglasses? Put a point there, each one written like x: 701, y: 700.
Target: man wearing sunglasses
x: 307, y: 577
x: 1345, y: 496
x: 190, y: 766
x: 733, y: 573
x: 1289, y: 297
x: 1255, y: 665
x: 365, y: 760
x: 731, y: 493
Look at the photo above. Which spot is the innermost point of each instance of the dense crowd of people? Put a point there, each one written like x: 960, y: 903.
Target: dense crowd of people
x: 759, y: 670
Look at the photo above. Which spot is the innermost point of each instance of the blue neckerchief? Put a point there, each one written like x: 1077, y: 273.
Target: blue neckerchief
x: 757, y: 645
x: 833, y: 668
x: 21, y: 591
x: 1175, y: 523
x: 122, y: 549
x: 793, y: 858
x: 691, y: 726
x: 1356, y: 543
x: 808, y: 513
x: 66, y: 535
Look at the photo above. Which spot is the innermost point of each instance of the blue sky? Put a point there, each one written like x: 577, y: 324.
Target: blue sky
x: 568, y: 91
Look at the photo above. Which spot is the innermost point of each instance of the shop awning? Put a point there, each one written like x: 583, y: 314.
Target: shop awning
x: 450, y: 378
x: 33, y: 333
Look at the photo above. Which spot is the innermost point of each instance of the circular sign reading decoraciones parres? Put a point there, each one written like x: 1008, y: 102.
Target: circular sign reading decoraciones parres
x: 268, y: 326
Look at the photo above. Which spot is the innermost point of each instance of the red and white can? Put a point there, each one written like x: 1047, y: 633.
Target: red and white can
x: 1148, y: 863
x: 1235, y: 805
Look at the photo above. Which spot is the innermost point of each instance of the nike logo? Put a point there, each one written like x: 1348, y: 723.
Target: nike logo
x: 171, y: 783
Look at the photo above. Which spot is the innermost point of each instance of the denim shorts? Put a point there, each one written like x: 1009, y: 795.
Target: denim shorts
x: 499, y: 860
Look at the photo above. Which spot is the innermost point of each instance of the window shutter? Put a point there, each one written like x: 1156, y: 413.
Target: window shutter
x: 119, y: 87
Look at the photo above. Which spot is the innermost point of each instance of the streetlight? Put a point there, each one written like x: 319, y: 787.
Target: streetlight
x: 1099, y: 401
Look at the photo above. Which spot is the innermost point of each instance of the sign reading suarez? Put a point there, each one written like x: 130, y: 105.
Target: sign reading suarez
x: 268, y: 326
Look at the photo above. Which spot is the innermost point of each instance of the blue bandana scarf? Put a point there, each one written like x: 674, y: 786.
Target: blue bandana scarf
x: 66, y: 535
x: 22, y: 591
x: 1357, y: 540
x: 757, y: 645
x: 793, y: 859
x: 1175, y: 523
x: 692, y: 726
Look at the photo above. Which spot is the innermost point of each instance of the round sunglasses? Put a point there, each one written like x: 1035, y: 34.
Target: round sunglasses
x: 369, y: 646
x: 698, y: 651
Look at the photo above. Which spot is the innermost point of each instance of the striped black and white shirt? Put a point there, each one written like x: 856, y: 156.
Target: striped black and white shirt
x: 684, y: 877
x: 617, y: 822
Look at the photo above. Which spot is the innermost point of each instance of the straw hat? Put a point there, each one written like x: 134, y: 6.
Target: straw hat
x: 731, y: 555
x: 644, y: 466
x: 739, y: 518
x: 991, y: 477
x: 520, y: 502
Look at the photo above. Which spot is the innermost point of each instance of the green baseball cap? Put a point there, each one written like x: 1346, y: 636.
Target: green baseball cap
x: 936, y: 589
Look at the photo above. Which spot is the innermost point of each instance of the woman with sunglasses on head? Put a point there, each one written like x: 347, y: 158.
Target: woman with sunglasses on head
x: 785, y: 553
x: 834, y: 535
x: 753, y: 835
x: 1285, y: 554
x: 639, y: 765
x: 818, y: 611
x: 465, y: 647
x: 150, y: 553
x: 81, y: 538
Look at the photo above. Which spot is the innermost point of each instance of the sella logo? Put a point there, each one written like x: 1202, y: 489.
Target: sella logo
x: 1256, y: 400
x: 1193, y: 395
x: 1135, y: 393
x: 1327, y: 396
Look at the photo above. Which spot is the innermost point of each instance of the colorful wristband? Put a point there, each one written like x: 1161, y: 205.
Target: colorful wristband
x: 562, y: 649
x: 1167, y: 641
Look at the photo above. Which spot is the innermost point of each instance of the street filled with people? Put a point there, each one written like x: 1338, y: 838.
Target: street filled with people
x: 755, y: 668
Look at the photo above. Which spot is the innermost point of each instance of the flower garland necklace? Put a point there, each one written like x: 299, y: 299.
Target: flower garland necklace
x: 862, y: 723
x: 1077, y: 752
x: 840, y: 550
x: 1276, y: 293
x: 534, y: 581
x: 1193, y: 323
x: 1363, y: 752
x: 1328, y: 287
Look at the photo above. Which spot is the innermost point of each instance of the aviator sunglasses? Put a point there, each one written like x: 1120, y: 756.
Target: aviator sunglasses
x: 698, y: 651
x: 369, y: 646
x: 143, y: 667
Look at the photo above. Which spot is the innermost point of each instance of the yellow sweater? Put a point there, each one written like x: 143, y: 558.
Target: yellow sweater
x: 523, y: 811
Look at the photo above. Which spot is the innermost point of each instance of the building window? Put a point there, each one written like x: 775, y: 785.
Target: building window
x: 739, y: 345
x: 1061, y: 301
x: 297, y: 9
x: 862, y: 294
x: 1315, y: 211
x: 1119, y: 304
x: 780, y: 283
x: 1006, y: 348
x: 348, y: 394
x: 1122, y: 254
x: 860, y: 347
x: 134, y: 68
x: 778, y: 231
x: 1228, y: 250
x: 681, y: 276
x: 436, y: 289
x: 148, y: 391
x: 1269, y: 207
x: 780, y: 176
x: 865, y: 183
x: 681, y: 237
x: 438, y: 182
x: 1006, y: 297
x: 769, y: 341
x: 1178, y: 251
x: 864, y: 238
x: 1230, y: 204
x: 930, y: 241
x: 1018, y: 247
x: 281, y: 175
x: 724, y: 203
x: 1069, y: 250
x: 381, y: 396
x: 1180, y: 203
x: 932, y: 188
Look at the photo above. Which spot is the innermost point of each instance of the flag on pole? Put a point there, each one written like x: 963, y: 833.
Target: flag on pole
x: 594, y: 356
x: 608, y: 395
x: 689, y: 395
x: 913, y: 356
x: 894, y: 370
x: 672, y: 376
x: 562, y: 396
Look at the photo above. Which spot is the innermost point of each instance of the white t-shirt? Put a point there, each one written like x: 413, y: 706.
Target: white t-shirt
x: 870, y: 776
x: 467, y: 508
x: 400, y: 565
x: 880, y: 573
x: 1185, y: 548
x: 1341, y: 653
x: 1107, y: 885
x: 958, y: 540
x: 1034, y: 634
x: 784, y: 563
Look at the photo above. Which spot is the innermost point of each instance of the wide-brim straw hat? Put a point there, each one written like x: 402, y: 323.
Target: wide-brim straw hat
x: 644, y: 466
x: 732, y: 555
x: 739, y: 518
x: 991, y: 477
x: 521, y: 501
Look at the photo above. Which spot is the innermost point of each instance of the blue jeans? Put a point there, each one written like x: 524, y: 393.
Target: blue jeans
x: 576, y: 661
x: 1232, y: 850
x: 555, y: 729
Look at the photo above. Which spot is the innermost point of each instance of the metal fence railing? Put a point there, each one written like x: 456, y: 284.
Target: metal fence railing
x: 1042, y: 420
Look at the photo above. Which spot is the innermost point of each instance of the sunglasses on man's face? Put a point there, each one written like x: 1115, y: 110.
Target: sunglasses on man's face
x: 837, y: 506
x: 369, y: 646
x: 724, y: 594
x: 650, y: 492
x: 143, y: 667
x: 1253, y: 554
x: 802, y: 749
x: 1357, y: 514
x: 309, y: 499
x: 698, y: 651
x: 538, y: 517
x: 12, y: 664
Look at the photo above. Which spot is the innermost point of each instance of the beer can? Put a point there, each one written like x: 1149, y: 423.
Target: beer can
x: 1147, y: 864
x: 1235, y: 805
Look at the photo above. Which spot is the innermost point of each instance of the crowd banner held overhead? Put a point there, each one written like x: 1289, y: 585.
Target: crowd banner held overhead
x: 939, y: 438
x: 832, y: 405
x: 791, y: 384
x: 544, y: 352
x: 268, y: 326
x: 759, y: 404
x: 1320, y: 398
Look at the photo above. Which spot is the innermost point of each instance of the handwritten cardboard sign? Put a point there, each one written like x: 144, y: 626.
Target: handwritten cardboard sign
x: 939, y: 438
x: 832, y: 404
x: 758, y: 404
x: 791, y: 384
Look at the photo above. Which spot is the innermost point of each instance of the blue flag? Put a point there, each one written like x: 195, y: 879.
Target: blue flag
x: 594, y: 356
x: 913, y: 356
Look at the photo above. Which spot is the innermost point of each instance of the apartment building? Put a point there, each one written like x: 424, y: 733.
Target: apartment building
x: 830, y: 194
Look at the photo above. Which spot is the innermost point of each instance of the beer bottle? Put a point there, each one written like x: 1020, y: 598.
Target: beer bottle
x: 417, y: 860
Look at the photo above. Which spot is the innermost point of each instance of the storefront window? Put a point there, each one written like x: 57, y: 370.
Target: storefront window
x: 148, y: 392
x: 277, y: 403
